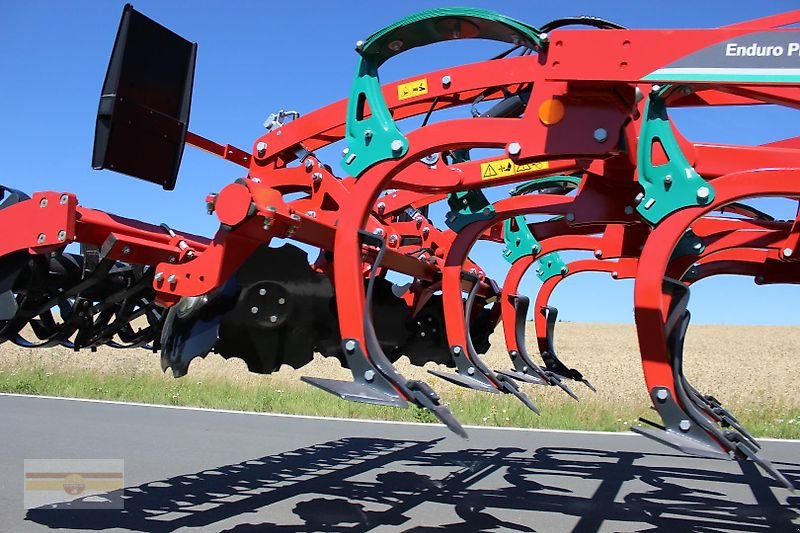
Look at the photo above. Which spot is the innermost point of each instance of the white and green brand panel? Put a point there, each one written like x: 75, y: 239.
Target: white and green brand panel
x: 766, y: 57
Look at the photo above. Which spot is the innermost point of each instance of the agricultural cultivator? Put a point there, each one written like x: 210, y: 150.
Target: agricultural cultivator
x: 575, y: 118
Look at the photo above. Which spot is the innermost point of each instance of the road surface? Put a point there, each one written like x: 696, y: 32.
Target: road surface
x: 199, y: 470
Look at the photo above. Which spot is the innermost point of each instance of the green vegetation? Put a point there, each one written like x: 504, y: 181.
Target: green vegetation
x: 558, y: 411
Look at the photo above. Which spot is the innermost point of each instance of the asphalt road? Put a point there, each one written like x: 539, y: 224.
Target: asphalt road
x: 219, y: 471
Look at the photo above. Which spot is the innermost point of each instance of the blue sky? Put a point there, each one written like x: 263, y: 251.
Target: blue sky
x: 258, y: 57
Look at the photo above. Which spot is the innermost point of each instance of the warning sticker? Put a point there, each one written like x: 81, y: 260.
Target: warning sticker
x: 505, y: 167
x: 412, y: 89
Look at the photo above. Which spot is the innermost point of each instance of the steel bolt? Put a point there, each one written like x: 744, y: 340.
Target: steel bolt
x: 667, y: 179
x: 311, y: 214
x: 703, y: 193
x: 471, y: 371
x: 308, y: 164
x: 598, y: 253
x: 273, y: 319
x: 685, y: 425
x: 788, y: 252
x: 64, y: 199
x: 262, y: 292
x: 369, y: 375
x: 379, y: 232
x: 381, y: 207
x: 514, y: 148
x: 359, y: 44
x: 397, y: 145
x: 316, y: 176
x: 159, y: 276
x: 600, y: 135
x: 350, y: 345
x: 62, y: 235
x: 43, y: 202
x: 41, y: 238
x: 367, y: 135
x: 126, y: 250
x: 261, y: 149
x: 393, y: 240
x: 345, y: 152
x: 457, y: 350
x: 446, y: 80
x: 254, y: 309
x: 172, y: 279
x: 639, y: 197
x: 281, y: 301
x: 662, y: 395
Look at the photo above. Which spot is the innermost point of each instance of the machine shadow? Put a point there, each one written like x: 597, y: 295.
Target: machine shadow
x: 358, y: 484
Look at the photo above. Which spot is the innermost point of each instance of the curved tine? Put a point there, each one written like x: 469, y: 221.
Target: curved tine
x: 551, y: 360
x: 375, y: 379
x: 507, y: 384
x: 523, y: 364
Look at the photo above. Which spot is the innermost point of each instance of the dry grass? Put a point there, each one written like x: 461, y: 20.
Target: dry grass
x: 744, y: 366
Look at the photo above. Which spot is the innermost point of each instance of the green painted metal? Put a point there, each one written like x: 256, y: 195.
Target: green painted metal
x: 551, y: 265
x: 375, y: 137
x: 689, y: 244
x: 543, y: 183
x: 467, y: 207
x: 520, y: 241
x: 670, y: 186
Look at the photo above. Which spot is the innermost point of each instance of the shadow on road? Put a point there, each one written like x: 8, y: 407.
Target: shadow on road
x: 357, y: 484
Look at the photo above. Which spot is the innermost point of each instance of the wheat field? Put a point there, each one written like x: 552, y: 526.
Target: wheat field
x: 741, y: 365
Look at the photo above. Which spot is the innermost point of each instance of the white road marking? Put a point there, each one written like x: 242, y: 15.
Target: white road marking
x: 333, y: 418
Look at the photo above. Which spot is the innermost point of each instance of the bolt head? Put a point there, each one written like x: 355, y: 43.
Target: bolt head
x: 254, y: 309
x: 359, y: 44
x: 457, y: 350
x: 281, y: 301
x: 703, y: 193
x: 397, y: 145
x: 316, y: 176
x: 350, y: 345
x: 598, y: 253
x: 471, y: 371
x: 308, y: 164
x: 262, y: 292
x: 685, y: 425
x: 662, y: 395
x: 514, y: 148
x: 369, y: 375
x: 159, y: 276
x: 126, y: 250
x: 41, y: 238
x: 172, y: 279
x: 273, y: 319
x: 62, y: 235
x: 446, y: 80
x: 64, y: 199
x: 43, y: 202
x: 261, y: 148
x: 788, y: 252
x: 600, y: 135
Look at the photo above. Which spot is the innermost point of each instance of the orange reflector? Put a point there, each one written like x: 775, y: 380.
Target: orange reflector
x: 551, y: 112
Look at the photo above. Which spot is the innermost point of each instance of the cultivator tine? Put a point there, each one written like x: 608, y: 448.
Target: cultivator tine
x: 688, y: 423
x: 551, y: 360
x: 523, y: 364
x: 375, y: 379
x: 472, y: 372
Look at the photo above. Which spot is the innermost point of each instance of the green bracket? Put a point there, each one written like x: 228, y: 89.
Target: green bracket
x: 670, y: 186
x: 689, y: 244
x: 551, y: 265
x: 375, y: 137
x: 467, y: 207
x: 521, y: 242
x: 567, y: 183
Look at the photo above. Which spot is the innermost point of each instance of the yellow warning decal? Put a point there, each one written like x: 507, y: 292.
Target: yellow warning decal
x: 412, y: 89
x: 505, y: 167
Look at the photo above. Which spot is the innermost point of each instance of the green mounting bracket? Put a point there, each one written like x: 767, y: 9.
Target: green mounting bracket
x: 374, y: 137
x: 551, y: 265
x: 567, y: 183
x: 689, y: 244
x: 520, y: 242
x: 519, y: 239
x: 467, y: 207
x: 670, y: 186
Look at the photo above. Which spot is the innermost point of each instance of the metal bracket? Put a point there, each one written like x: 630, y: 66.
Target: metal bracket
x: 467, y: 207
x: 670, y: 186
